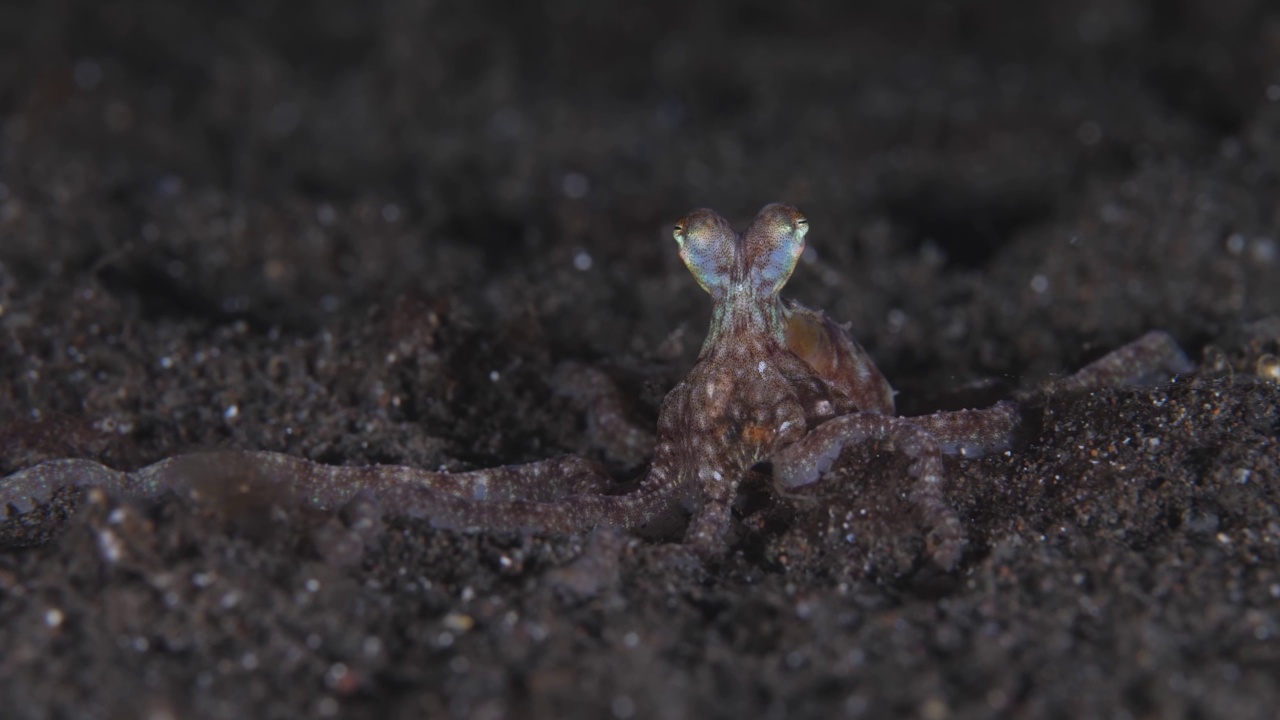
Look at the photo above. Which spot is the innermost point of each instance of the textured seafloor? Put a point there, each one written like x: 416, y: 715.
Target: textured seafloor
x: 369, y: 232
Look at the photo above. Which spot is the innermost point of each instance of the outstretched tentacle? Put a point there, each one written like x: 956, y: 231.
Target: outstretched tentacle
x: 560, y: 495
x: 322, y: 486
x: 973, y: 433
x: 1152, y: 357
x: 26, y: 490
x: 804, y: 462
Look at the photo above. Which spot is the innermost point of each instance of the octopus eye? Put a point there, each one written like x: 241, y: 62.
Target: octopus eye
x: 801, y: 228
x: 708, y: 248
x: 774, y: 242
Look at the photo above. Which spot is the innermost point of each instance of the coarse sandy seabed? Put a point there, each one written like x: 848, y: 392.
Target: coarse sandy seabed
x: 369, y: 232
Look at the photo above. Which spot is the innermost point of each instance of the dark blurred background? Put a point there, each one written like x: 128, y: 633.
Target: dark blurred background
x: 280, y: 161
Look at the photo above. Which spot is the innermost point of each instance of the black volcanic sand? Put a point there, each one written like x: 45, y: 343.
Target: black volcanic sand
x: 369, y: 233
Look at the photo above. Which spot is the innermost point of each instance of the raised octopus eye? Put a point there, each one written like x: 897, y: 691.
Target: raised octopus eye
x: 708, y: 246
x: 774, y: 242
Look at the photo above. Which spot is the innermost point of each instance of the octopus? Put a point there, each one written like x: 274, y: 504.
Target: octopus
x: 776, y: 385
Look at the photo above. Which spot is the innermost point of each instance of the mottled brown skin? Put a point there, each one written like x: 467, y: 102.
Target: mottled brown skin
x: 775, y: 382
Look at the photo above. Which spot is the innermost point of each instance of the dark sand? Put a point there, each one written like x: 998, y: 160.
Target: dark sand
x: 369, y: 232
